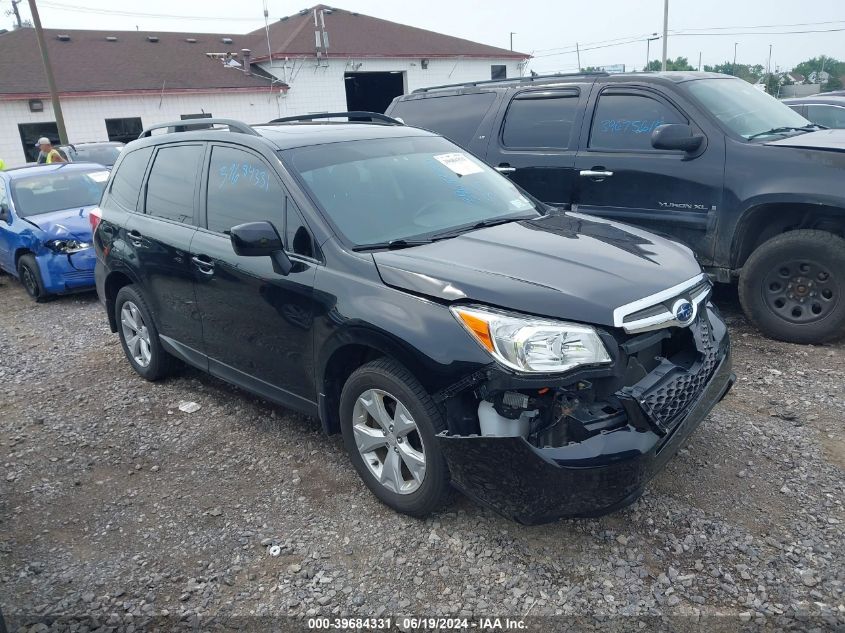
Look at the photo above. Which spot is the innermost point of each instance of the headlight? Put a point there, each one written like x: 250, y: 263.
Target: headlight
x: 533, y: 345
x: 67, y: 246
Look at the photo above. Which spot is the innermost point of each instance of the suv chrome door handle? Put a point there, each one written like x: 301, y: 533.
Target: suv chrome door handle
x: 504, y: 169
x: 594, y: 173
x: 135, y: 237
x: 205, y: 266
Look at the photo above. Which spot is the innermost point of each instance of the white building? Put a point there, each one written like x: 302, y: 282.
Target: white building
x: 113, y: 84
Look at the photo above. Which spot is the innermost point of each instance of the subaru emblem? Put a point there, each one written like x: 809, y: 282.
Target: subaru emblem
x: 684, y: 311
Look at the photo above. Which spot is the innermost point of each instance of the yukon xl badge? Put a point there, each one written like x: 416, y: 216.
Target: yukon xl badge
x: 684, y: 311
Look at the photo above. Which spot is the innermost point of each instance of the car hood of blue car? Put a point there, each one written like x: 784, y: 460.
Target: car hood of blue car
x: 64, y: 224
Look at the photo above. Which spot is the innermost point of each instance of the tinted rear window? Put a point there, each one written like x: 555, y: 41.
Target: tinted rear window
x: 540, y: 121
x: 456, y: 117
x: 55, y: 191
x: 127, y: 179
x: 103, y: 154
x: 172, y: 182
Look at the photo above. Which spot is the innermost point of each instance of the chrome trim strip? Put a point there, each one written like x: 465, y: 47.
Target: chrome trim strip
x: 660, y: 320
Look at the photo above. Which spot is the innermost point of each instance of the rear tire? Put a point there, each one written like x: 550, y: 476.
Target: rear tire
x: 793, y: 287
x: 139, y: 336
x: 402, y: 431
x: 30, y: 276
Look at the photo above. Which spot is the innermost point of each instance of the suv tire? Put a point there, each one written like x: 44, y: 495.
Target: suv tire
x: 30, y: 275
x: 793, y: 287
x: 139, y: 336
x: 402, y: 430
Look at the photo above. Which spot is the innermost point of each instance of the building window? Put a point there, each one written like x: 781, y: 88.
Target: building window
x: 31, y: 132
x: 124, y: 130
x: 187, y: 117
x: 498, y: 71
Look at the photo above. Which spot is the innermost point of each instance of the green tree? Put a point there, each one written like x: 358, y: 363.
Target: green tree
x: 679, y: 63
x: 751, y: 74
x: 830, y: 65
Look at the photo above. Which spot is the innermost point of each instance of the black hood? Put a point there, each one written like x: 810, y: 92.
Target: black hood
x: 828, y: 140
x: 568, y: 266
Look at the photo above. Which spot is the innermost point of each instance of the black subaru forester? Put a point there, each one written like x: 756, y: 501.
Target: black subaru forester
x: 381, y: 279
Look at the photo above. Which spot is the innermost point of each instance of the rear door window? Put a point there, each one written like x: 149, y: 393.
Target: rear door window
x: 625, y: 121
x: 827, y: 115
x: 456, y: 117
x: 241, y: 188
x: 540, y: 119
x: 128, y: 177
x: 171, y: 186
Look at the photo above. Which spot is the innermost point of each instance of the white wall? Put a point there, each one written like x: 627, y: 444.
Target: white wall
x: 313, y: 89
x: 85, y: 116
x: 321, y: 89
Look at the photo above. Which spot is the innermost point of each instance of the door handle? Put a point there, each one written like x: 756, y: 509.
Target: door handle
x: 595, y: 173
x: 135, y: 237
x: 505, y: 169
x: 205, y: 265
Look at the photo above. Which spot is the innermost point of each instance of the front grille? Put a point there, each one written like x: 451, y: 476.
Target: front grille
x: 666, y: 402
x: 656, y: 312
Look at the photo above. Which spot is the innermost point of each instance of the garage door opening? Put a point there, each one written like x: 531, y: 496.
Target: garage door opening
x: 373, y: 92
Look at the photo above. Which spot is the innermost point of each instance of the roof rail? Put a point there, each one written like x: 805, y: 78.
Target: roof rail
x: 513, y: 80
x: 355, y: 114
x: 234, y: 126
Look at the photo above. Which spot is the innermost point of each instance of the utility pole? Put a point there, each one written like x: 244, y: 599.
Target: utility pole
x: 733, y: 66
x: 665, y: 31
x: 699, y: 61
x: 51, y: 81
x: 17, y: 13
x: 512, y: 34
x: 578, y: 51
x: 769, y: 63
x: 648, y: 42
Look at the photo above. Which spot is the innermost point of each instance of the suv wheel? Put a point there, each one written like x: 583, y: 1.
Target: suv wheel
x: 792, y: 287
x: 389, y: 424
x: 139, y: 335
x: 30, y: 276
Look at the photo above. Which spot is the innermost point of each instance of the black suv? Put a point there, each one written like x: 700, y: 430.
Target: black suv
x: 751, y: 186
x: 454, y: 329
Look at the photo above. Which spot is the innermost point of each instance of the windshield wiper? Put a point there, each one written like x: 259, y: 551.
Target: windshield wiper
x: 483, y: 224
x: 391, y: 245
x: 787, y: 128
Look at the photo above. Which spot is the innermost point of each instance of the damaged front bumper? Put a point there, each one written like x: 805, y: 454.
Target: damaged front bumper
x: 609, y: 470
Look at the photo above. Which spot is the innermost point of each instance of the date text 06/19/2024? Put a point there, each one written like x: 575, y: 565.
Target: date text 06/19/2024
x: 411, y: 623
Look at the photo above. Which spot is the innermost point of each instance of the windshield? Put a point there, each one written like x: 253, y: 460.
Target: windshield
x: 57, y: 191
x: 744, y: 109
x: 412, y: 188
x: 102, y: 154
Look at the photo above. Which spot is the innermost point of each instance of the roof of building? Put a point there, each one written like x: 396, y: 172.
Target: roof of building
x: 359, y: 35
x: 87, y: 62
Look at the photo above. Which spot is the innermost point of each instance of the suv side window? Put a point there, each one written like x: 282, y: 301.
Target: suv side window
x: 241, y: 188
x: 827, y: 115
x: 625, y: 121
x: 540, y: 119
x: 171, y: 185
x: 456, y: 117
x: 128, y: 177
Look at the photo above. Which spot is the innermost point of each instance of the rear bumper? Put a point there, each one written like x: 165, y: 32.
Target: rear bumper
x: 592, y: 477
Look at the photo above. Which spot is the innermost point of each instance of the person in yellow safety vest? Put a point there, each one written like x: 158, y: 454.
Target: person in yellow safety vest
x: 50, y: 153
x: 2, y: 165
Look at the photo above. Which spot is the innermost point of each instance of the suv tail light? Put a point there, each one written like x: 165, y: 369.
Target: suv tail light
x: 95, y: 216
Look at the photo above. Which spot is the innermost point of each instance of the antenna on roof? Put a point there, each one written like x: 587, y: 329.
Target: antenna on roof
x: 321, y: 38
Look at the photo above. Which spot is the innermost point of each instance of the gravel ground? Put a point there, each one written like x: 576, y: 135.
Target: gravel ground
x: 118, y: 507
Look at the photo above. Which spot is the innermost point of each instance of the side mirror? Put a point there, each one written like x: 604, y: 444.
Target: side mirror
x: 676, y: 136
x: 261, y: 239
x: 4, y: 213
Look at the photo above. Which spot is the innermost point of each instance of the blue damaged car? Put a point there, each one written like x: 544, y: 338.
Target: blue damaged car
x: 45, y: 232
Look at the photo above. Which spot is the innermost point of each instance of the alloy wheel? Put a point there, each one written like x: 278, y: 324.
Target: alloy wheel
x: 389, y: 441
x: 800, y: 291
x: 29, y: 281
x: 136, y: 334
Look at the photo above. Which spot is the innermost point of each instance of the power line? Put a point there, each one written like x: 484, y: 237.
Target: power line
x: 132, y: 14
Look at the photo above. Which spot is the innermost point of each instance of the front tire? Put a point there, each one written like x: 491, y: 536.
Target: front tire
x: 389, y: 425
x: 30, y: 276
x: 793, y: 287
x: 139, y: 335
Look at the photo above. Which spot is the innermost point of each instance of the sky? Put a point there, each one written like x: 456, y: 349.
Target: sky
x: 607, y: 32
